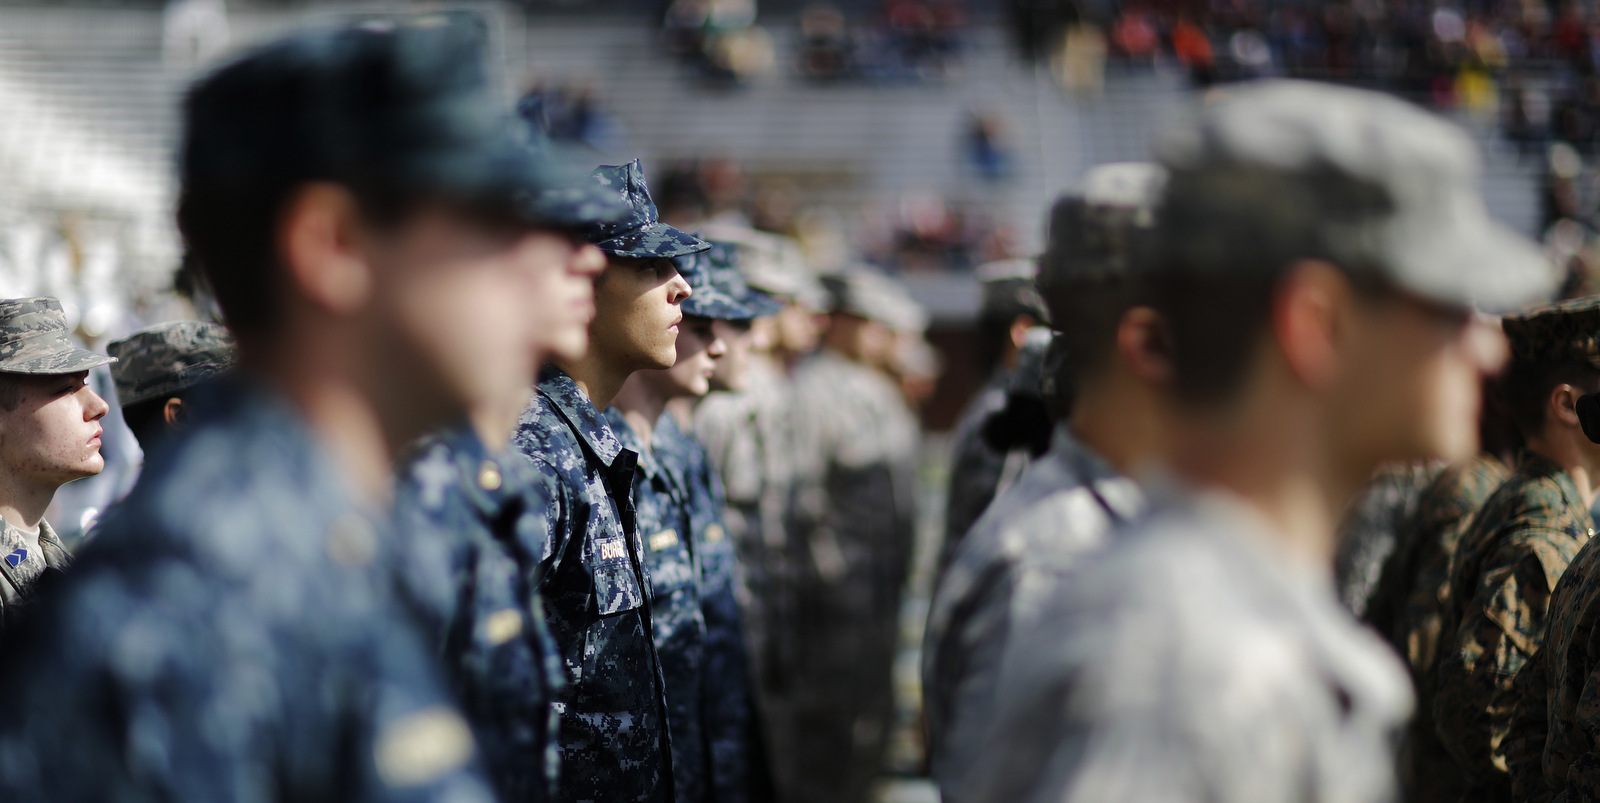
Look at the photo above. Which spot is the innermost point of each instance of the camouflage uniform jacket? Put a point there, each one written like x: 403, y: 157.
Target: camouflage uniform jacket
x: 976, y: 469
x: 1507, y: 564
x: 751, y: 440
x: 1369, y: 533
x: 1409, y: 607
x: 233, y: 634
x: 614, y: 741
x: 738, y: 768
x: 1554, y: 742
x: 22, y: 563
x: 473, y: 523
x: 678, y: 625
x: 1193, y: 659
x: 1065, y: 504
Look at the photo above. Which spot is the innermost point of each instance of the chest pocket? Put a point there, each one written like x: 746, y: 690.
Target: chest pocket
x: 616, y: 588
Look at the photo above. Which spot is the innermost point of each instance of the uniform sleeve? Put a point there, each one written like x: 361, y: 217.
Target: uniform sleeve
x: 1501, y: 628
x: 1527, y: 733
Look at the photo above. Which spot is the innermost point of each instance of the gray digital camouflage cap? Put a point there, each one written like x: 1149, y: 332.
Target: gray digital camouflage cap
x: 866, y: 293
x: 34, y: 339
x: 1282, y: 170
x: 401, y: 106
x: 639, y: 234
x: 1101, y: 230
x: 719, y: 291
x: 772, y: 263
x: 168, y: 358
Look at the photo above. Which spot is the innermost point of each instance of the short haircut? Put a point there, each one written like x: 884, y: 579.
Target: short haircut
x: 11, y: 391
x: 148, y: 421
x: 1086, y: 319
x: 1525, y: 388
x: 1228, y: 238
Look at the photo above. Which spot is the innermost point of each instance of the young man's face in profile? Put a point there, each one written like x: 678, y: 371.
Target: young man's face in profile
x: 52, y: 435
x: 637, y: 313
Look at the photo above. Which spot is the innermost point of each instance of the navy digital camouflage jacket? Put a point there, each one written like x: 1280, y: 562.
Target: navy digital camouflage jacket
x: 474, y: 524
x: 675, y: 616
x: 613, y: 742
x: 738, y: 763
x: 232, y: 634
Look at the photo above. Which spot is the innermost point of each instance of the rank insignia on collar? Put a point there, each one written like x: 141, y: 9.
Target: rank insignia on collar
x: 16, y: 558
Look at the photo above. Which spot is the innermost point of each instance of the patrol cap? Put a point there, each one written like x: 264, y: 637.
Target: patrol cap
x: 1009, y: 287
x: 1100, y: 230
x: 638, y: 234
x: 719, y: 291
x: 1281, y: 170
x: 168, y: 358
x: 400, y: 105
x: 866, y: 293
x: 772, y: 263
x: 34, y: 339
x: 1567, y: 332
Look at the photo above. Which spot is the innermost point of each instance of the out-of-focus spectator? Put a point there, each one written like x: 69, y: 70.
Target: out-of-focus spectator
x: 193, y: 31
x: 719, y: 38
x: 572, y: 113
x: 985, y: 147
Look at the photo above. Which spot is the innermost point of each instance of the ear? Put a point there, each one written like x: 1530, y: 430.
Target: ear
x: 320, y: 238
x: 1145, y: 345
x: 1019, y: 329
x: 172, y: 412
x: 1562, y: 405
x: 1307, y: 309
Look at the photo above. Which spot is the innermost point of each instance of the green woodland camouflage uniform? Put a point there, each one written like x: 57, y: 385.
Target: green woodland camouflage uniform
x: 855, y: 504
x: 1065, y: 504
x: 1409, y: 608
x: 1370, y: 531
x: 1553, y: 745
x: 34, y: 340
x: 1191, y: 658
x: 1507, y: 564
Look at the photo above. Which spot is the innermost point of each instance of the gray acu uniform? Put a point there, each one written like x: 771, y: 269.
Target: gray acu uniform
x: 1065, y: 504
x: 1194, y: 660
x: 855, y: 509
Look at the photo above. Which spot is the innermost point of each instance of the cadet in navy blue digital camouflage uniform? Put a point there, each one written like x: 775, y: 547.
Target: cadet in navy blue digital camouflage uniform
x: 477, y: 520
x: 692, y: 565
x: 233, y: 633
x: 614, y: 740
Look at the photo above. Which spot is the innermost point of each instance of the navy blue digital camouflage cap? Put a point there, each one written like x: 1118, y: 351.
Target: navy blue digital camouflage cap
x: 640, y: 234
x: 34, y: 339
x: 719, y: 290
x: 400, y: 107
x: 169, y: 358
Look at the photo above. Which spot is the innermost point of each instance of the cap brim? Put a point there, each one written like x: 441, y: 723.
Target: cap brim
x: 653, y: 241
x: 541, y: 184
x: 66, y: 362
x: 1475, y: 262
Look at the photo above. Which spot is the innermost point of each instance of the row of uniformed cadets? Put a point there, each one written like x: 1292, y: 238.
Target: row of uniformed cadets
x: 1294, y: 297
x: 545, y: 599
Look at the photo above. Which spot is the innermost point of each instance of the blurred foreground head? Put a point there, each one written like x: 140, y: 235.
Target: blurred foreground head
x: 1090, y: 274
x: 156, y: 369
x: 1331, y: 243
x: 364, y: 190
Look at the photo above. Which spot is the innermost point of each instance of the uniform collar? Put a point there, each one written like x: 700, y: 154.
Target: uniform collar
x: 629, y: 440
x: 486, y: 480
x: 572, y: 404
x: 1537, y: 466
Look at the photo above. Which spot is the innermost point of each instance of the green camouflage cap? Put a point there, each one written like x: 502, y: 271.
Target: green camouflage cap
x: 1282, y: 170
x: 1567, y: 332
x: 1100, y: 230
x: 866, y: 293
x: 168, y: 358
x: 34, y: 339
